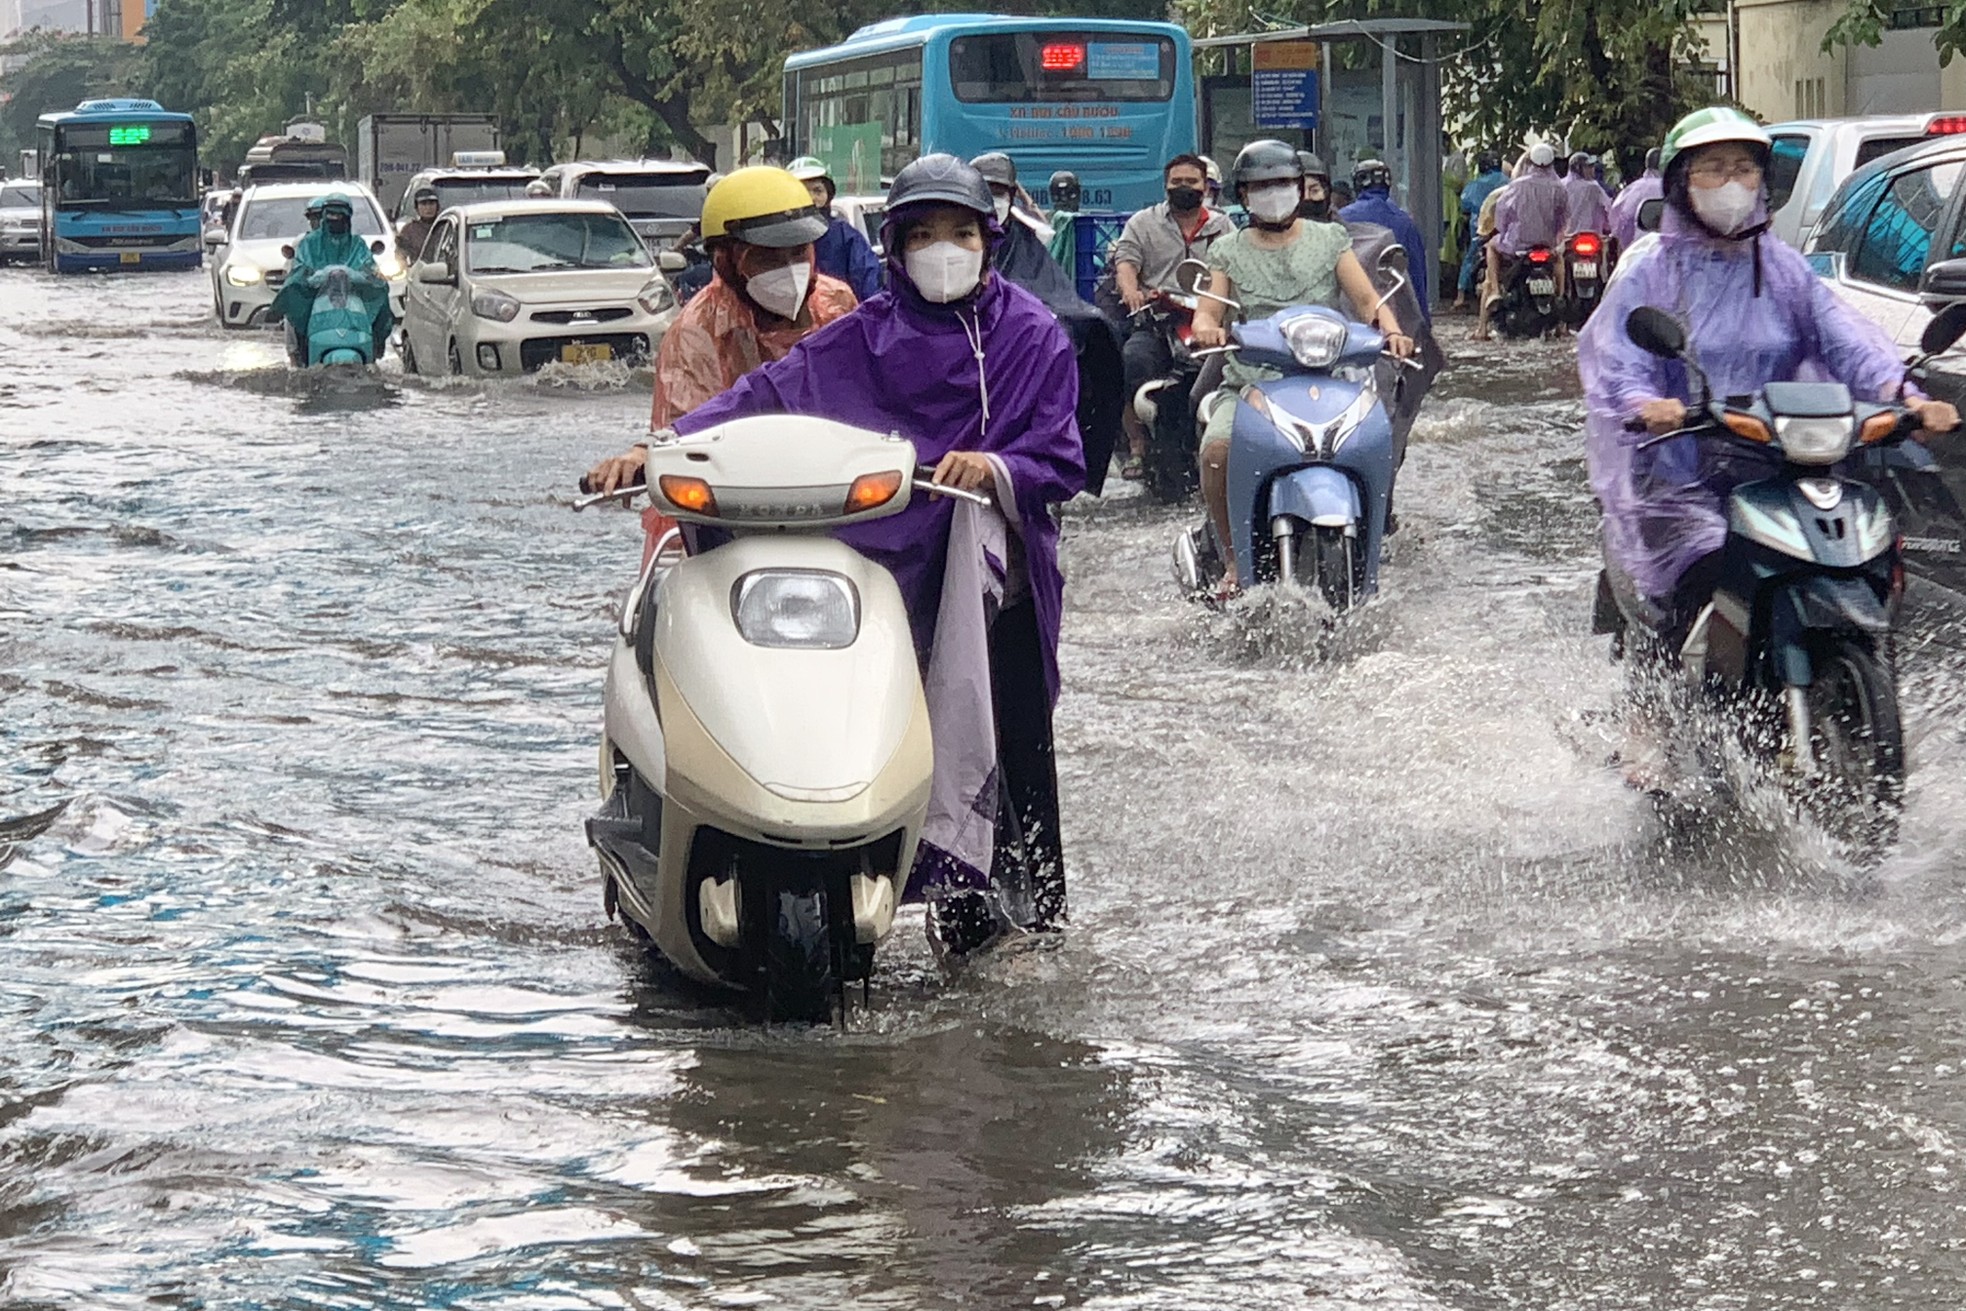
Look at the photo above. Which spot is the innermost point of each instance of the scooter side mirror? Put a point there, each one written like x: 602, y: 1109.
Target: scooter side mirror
x: 1656, y: 333
x: 286, y: 252
x: 376, y: 248
x: 1945, y: 329
x: 1189, y: 274
x: 1650, y: 213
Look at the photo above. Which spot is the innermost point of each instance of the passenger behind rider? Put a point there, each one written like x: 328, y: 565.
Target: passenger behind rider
x: 1150, y: 248
x: 1529, y: 213
x: 1278, y: 261
x: 411, y: 236
x: 979, y: 375
x: 1316, y: 205
x: 764, y: 297
x: 1586, y: 204
x: 844, y: 252
x: 1754, y: 313
x: 1373, y: 182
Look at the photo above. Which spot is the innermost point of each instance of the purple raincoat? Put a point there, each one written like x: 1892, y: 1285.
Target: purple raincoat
x: 1624, y: 210
x: 1530, y: 212
x: 1754, y: 313
x: 903, y: 364
x: 1586, y: 206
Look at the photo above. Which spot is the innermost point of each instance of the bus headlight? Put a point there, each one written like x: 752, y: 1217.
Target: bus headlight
x: 244, y: 275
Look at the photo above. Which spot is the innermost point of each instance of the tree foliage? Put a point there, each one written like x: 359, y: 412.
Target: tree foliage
x: 58, y: 72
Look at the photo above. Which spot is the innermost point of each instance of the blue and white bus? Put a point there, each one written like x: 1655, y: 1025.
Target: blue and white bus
x: 119, y: 188
x: 1109, y: 100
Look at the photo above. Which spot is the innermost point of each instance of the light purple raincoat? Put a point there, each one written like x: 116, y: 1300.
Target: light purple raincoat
x: 1624, y: 210
x: 1754, y: 313
x: 1586, y: 206
x: 1530, y: 212
x: 903, y: 364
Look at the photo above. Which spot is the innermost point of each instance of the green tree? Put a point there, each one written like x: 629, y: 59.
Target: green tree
x: 58, y: 71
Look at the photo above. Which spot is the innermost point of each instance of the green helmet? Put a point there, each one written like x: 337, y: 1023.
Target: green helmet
x: 1705, y: 127
x: 807, y: 168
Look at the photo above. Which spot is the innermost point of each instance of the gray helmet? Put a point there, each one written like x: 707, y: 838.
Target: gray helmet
x: 941, y: 180
x: 1652, y: 160
x: 1371, y: 173
x: 1266, y: 161
x: 997, y: 168
x: 1313, y: 166
x: 1581, y: 159
x: 1064, y: 188
x: 423, y: 194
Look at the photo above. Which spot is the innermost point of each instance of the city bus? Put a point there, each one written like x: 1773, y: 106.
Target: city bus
x: 1112, y: 101
x: 119, y: 188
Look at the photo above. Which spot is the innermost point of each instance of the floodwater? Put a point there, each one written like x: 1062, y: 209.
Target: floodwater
x: 1380, y: 990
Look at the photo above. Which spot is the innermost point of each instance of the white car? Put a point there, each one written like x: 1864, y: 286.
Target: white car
x: 1812, y: 157
x: 247, y: 263
x: 507, y: 287
x: 662, y: 198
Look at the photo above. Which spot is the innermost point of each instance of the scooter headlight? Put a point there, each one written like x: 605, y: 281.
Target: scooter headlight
x: 800, y: 608
x: 1814, y: 440
x: 1314, y: 340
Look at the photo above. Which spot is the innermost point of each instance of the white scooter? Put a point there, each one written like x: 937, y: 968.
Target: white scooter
x: 766, y: 757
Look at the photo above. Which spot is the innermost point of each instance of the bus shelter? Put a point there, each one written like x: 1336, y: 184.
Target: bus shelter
x: 1374, y: 92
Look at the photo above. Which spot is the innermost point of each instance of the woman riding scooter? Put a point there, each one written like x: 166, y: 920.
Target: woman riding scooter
x: 1278, y: 261
x: 977, y: 373
x: 334, y: 243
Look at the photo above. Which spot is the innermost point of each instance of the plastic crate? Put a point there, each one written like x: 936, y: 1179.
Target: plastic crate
x: 1093, y: 236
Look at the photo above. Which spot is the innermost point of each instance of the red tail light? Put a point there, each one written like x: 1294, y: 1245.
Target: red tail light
x: 1061, y: 57
x: 1946, y: 125
x: 1539, y: 256
x: 1586, y: 243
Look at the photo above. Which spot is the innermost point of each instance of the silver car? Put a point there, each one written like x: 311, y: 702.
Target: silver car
x: 20, y: 220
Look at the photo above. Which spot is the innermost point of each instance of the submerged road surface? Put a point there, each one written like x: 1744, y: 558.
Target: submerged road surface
x: 1380, y: 990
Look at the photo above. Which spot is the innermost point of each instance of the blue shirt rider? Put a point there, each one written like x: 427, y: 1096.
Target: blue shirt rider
x: 1373, y: 183
x: 1488, y: 179
x: 844, y: 251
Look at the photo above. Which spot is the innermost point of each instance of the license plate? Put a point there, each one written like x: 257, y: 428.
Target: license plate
x: 1587, y: 268
x: 586, y: 354
x: 132, y: 257
x: 1542, y: 287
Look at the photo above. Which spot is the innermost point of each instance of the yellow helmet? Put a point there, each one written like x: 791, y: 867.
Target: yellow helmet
x: 762, y: 206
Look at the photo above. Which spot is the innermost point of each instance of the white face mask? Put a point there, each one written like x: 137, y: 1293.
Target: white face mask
x: 1273, y: 203
x: 944, y: 271
x: 1003, y: 209
x: 782, y: 291
x: 1725, y: 208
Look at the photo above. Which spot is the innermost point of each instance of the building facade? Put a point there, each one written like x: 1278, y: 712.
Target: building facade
x: 1784, y: 72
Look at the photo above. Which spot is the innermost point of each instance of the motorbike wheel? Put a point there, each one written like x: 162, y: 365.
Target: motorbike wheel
x: 801, y: 978
x: 1339, y: 568
x: 1172, y: 477
x: 1858, y: 742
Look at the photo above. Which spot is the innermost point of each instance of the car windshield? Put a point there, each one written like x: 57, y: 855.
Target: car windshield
x: 463, y: 191
x: 537, y: 243
x: 647, y: 195
x: 19, y: 197
x: 285, y: 217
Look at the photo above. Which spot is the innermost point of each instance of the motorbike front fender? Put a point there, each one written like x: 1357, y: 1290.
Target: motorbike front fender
x: 1321, y: 495
x: 1819, y: 603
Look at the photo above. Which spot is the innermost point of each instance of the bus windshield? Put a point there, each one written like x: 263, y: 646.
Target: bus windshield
x: 652, y: 195
x: 1020, y: 67
x: 101, y: 166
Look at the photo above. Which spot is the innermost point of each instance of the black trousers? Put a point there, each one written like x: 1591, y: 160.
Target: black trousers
x: 1030, y: 861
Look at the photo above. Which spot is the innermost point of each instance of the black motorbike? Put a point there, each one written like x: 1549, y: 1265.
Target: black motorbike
x: 1794, y: 647
x: 1530, y: 305
x: 1585, y: 264
x: 1165, y: 404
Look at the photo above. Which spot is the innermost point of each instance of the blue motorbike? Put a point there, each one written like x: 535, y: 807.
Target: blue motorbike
x: 1311, y: 461
x: 341, y: 323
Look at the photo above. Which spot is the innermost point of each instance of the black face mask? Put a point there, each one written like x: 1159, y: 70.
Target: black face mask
x: 336, y: 225
x: 1185, y: 200
x: 1317, y: 211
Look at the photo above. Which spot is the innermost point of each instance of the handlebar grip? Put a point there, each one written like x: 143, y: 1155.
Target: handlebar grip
x: 586, y: 485
x: 1634, y: 424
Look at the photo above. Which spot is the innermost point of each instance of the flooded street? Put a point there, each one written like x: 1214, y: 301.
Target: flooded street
x: 1380, y: 989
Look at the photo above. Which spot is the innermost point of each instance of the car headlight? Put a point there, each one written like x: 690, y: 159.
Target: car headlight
x: 390, y: 267
x: 495, y: 305
x: 1314, y: 340
x: 244, y: 275
x: 799, y: 608
x: 1814, y: 440
x: 657, y: 296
